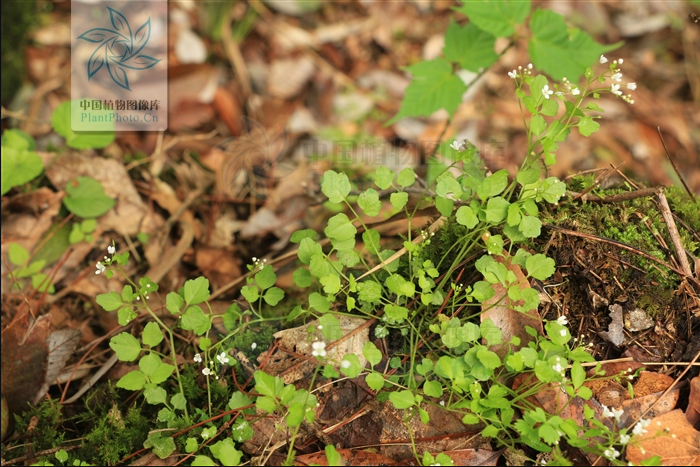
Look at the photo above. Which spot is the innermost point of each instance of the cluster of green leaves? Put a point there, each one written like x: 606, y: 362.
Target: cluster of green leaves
x: 20, y: 163
x: 20, y: 257
x: 557, y: 49
x: 61, y: 123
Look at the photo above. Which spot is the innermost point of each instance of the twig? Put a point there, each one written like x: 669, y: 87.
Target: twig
x: 673, y: 233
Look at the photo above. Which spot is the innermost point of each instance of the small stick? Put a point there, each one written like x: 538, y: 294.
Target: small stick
x: 690, y: 193
x: 673, y: 233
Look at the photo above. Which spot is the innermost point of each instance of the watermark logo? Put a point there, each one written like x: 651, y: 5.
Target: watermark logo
x: 119, y: 65
x: 119, y: 49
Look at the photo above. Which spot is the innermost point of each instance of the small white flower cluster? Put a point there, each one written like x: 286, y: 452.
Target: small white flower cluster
x: 570, y: 87
x: 616, y: 413
x: 258, y: 263
x: 112, y: 249
x: 458, y: 145
x: 617, y: 77
x: 521, y: 71
x: 206, y: 371
x: 640, y: 428
x: 611, y: 453
x: 319, y: 349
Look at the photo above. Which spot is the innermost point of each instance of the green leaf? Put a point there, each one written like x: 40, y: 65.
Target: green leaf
x: 331, y: 327
x: 194, y: 319
x: 497, y: 17
x: 444, y: 205
x: 85, y: 197
x: 174, y: 302
x: 319, y: 303
x: 395, y: 313
x: 191, y: 446
x: 126, y: 347
x: 471, y: 47
x: 447, y: 185
x: 299, y: 235
x: 18, y: 139
x: 465, y: 216
x: 19, y: 256
x: 537, y: 125
x: 251, y: 293
x: 552, y: 189
x: 539, y: 266
x: 133, y: 381
x: 578, y: 374
x: 493, y: 185
x: 402, y: 399
x: 490, y: 332
x: 302, y: 278
x: 152, y: 334
x: 266, y: 278
x: 530, y: 226
x: 238, y: 400
x: 149, y: 363
x: 369, y: 291
x: 110, y: 301
x: 375, y: 381
x: 488, y: 358
x: 371, y: 353
x: 202, y: 461
x: 61, y: 123
x: 354, y: 369
x: 241, y: 430
x: 496, y: 210
x: 265, y: 384
x: 369, y: 202
x: 125, y: 315
x: 335, y: 186
x: 432, y: 388
x: 587, y: 126
x: 19, y: 166
x: 340, y: 228
x: 273, y: 296
x: 434, y: 87
x: 227, y: 452
x: 307, y: 249
x: 383, y: 177
x: 406, y: 177
x: 178, y: 401
x: 162, y: 446
x: 398, y: 200
x: 155, y: 396
x: 196, y: 290
x: 332, y: 456
x: 561, y: 51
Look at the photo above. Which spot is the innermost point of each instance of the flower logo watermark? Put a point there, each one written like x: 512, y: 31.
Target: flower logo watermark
x: 119, y: 49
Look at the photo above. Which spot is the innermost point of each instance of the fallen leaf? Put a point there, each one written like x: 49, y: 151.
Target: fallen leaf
x: 679, y: 446
x: 692, y: 413
x: 614, y: 333
x: 510, y: 322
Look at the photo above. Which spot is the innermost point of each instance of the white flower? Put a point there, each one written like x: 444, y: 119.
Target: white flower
x: 607, y: 412
x: 457, y: 145
x: 562, y: 320
x: 529, y: 66
x: 100, y: 268
x: 320, y: 326
x: 513, y: 73
x: 319, y: 349
x: 558, y: 368
x: 222, y: 358
x: 345, y: 364
x: 615, y: 89
x: 611, y: 453
x: 253, y: 345
x: 620, y: 61
x: 631, y: 86
x: 111, y: 250
x: 197, y: 358
x: 603, y: 59
x: 617, y: 77
x: 575, y: 91
x: 442, y: 403
x: 206, y: 371
x: 617, y: 414
x: 639, y: 428
x: 546, y: 92
x: 624, y: 439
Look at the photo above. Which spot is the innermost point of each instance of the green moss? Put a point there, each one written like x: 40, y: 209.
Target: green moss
x: 655, y: 301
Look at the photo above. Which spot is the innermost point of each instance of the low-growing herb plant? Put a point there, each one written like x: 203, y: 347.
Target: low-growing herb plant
x: 409, y: 291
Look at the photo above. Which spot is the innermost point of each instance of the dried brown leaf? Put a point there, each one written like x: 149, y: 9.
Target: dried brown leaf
x: 679, y: 446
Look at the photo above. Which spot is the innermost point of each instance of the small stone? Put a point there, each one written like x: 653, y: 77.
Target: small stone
x: 614, y: 333
x: 637, y: 320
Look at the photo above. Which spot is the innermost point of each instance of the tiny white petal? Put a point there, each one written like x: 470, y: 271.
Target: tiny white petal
x: 603, y: 59
x: 562, y: 332
x: 562, y: 320
x: 100, y: 268
x: 206, y: 371
x: 345, y: 364
x: 620, y: 61
x: 513, y: 74
x: 253, y: 345
x: 197, y: 358
x: 576, y: 91
x: 631, y: 86
x: 617, y: 77
x: 111, y: 250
